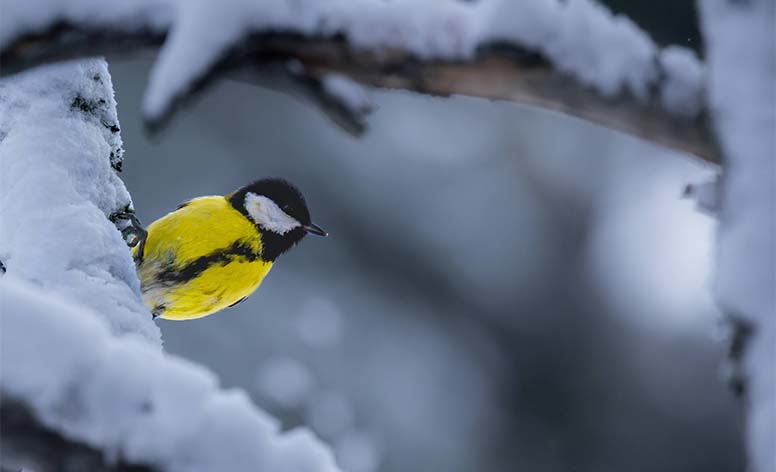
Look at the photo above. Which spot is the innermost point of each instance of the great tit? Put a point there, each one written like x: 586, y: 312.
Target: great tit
x: 213, y: 252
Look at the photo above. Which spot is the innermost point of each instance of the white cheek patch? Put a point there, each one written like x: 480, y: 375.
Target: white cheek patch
x: 268, y: 215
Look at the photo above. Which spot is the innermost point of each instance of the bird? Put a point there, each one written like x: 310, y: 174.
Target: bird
x: 212, y: 252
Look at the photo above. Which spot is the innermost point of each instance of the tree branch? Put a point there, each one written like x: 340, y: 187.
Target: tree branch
x: 498, y: 72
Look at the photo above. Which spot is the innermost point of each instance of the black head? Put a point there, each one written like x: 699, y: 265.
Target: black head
x: 279, y: 211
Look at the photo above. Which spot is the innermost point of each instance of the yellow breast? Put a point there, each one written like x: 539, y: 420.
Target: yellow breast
x: 200, y: 259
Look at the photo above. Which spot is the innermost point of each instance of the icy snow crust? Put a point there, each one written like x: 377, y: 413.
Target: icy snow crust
x: 77, y: 345
x: 581, y: 37
x: 742, y: 68
x: 57, y: 189
x: 125, y: 397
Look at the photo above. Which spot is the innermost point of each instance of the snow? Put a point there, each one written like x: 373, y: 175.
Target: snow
x: 742, y: 74
x: 581, y: 37
x: 682, y: 92
x: 124, y: 396
x: 346, y: 91
x: 57, y: 189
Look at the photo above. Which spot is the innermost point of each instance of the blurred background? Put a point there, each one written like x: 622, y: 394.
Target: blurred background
x: 503, y: 288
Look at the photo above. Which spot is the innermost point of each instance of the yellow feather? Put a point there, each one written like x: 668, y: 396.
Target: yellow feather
x: 201, y: 228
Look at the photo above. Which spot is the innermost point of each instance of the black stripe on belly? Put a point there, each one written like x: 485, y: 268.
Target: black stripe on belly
x: 222, y: 257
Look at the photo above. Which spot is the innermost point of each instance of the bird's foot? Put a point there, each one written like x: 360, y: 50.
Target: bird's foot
x: 131, y: 228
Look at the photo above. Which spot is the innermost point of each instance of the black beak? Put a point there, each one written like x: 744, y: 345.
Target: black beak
x: 312, y: 228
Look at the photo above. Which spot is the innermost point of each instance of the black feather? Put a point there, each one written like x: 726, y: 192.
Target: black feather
x: 237, y: 302
x: 177, y: 275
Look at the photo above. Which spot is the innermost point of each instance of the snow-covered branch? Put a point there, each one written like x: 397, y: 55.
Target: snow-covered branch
x: 742, y: 69
x: 79, y: 350
x: 575, y: 57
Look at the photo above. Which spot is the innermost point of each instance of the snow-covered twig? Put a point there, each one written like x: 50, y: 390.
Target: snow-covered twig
x: 575, y: 57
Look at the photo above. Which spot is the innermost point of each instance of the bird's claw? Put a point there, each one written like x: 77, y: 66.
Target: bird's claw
x: 131, y: 229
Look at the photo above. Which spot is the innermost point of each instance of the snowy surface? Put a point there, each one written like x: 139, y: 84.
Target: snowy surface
x: 153, y: 409
x: 57, y: 189
x: 581, y: 37
x: 742, y: 68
